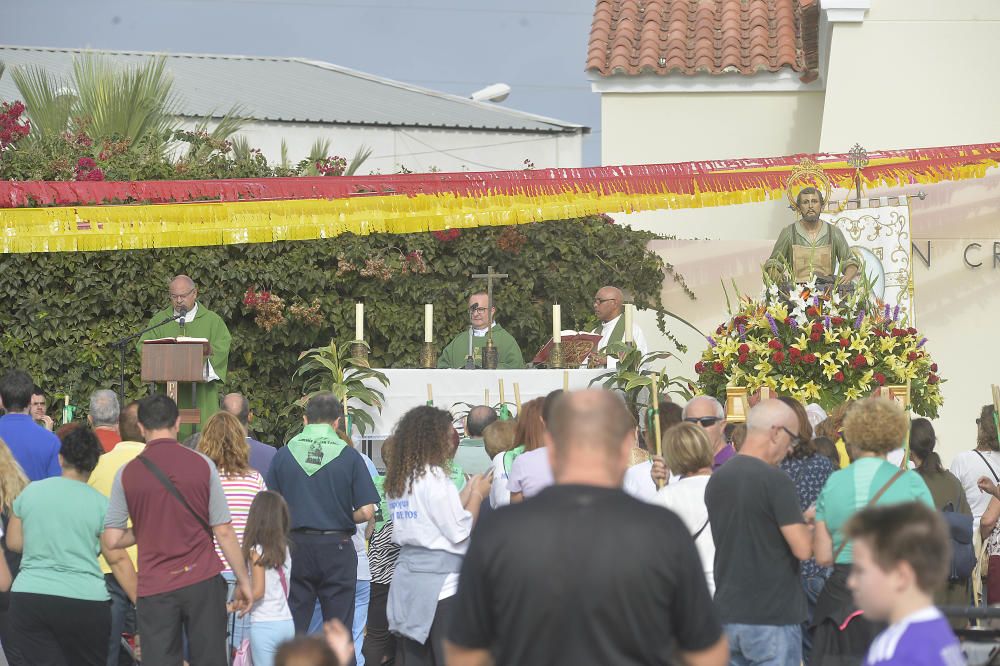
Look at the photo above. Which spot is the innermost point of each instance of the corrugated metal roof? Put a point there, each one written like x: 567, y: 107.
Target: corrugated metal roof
x: 297, y: 90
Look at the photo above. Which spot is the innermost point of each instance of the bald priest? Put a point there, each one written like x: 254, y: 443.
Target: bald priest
x: 198, y: 322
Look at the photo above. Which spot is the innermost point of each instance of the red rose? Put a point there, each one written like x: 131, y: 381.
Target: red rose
x: 775, y: 344
x: 837, y: 321
x: 839, y: 377
x: 911, y: 331
x: 809, y: 358
x: 815, y: 336
x: 744, y: 349
x: 743, y: 358
x: 818, y: 326
x: 699, y: 367
x: 859, y: 361
x: 880, y: 378
x: 933, y: 379
x: 899, y: 332
x: 933, y: 367
x: 844, y: 343
x: 912, y: 356
x: 718, y: 367
x: 778, y: 357
x: 812, y: 311
x: 794, y: 352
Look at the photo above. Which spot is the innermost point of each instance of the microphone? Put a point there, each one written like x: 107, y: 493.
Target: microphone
x: 182, y: 314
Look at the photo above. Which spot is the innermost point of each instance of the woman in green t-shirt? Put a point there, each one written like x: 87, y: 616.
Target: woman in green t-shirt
x: 59, y: 606
x: 872, y: 428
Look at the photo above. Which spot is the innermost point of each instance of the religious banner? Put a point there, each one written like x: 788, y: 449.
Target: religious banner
x: 879, y: 236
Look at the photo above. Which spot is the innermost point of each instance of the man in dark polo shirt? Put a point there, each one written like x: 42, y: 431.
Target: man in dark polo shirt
x: 329, y: 491
x: 180, y: 588
x: 583, y: 574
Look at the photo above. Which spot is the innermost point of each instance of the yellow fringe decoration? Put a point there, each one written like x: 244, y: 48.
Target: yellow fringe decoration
x: 130, y: 227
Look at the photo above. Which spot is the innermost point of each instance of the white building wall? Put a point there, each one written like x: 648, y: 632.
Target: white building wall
x: 419, y: 150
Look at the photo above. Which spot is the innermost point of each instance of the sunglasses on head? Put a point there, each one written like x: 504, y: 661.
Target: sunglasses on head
x: 704, y: 421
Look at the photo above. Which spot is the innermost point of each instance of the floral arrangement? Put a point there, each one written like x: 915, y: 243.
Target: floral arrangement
x: 826, y: 348
x: 269, y: 309
x: 14, y: 126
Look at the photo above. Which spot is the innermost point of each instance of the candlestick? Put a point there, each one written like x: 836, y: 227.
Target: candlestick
x: 566, y: 381
x: 517, y: 397
x: 628, y: 323
x: 556, y: 355
x: 486, y: 397
x: 556, y: 323
x: 430, y: 395
x: 428, y: 322
x: 359, y: 321
x: 428, y: 359
x: 501, y: 391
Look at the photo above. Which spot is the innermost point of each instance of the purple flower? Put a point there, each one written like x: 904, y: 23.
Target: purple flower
x: 826, y: 322
x: 794, y: 324
x: 816, y: 301
x: 857, y: 322
x: 922, y: 342
x: 886, y: 310
x: 742, y: 331
x: 772, y: 323
x: 710, y: 340
x: 895, y: 313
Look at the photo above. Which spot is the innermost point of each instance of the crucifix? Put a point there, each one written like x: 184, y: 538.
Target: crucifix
x: 490, y: 355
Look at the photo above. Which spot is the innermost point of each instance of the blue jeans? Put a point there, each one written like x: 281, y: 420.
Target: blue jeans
x: 362, y: 596
x: 267, y: 636
x: 812, y: 585
x: 241, y: 630
x: 764, y: 644
x: 122, y: 621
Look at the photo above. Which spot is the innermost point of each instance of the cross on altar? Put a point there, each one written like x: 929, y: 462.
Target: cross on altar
x: 489, y: 276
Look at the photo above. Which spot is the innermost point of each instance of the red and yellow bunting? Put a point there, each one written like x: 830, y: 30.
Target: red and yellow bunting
x: 91, y: 216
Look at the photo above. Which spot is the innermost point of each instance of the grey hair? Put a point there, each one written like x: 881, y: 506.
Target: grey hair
x: 104, y: 407
x: 720, y: 411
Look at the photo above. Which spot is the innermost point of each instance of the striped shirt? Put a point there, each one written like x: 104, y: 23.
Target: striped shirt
x: 239, y: 492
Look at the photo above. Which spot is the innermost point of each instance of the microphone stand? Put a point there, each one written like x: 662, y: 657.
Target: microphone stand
x: 122, y: 344
x: 470, y: 361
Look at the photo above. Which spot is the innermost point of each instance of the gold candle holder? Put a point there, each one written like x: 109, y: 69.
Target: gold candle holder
x: 737, y: 405
x: 359, y: 352
x: 428, y: 359
x: 491, y: 357
x: 556, y: 356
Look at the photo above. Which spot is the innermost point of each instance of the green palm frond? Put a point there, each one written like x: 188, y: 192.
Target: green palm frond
x: 134, y: 102
x: 360, y: 157
x: 285, y: 162
x: 241, y: 148
x: 49, y: 99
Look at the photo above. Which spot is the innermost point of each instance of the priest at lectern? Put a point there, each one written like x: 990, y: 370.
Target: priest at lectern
x: 197, y: 322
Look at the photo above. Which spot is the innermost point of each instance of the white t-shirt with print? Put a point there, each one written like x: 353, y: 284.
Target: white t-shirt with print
x: 273, y: 606
x: 499, y: 494
x: 430, y: 515
x: 686, y: 498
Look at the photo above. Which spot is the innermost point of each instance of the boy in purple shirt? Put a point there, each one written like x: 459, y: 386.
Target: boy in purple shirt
x: 901, y: 555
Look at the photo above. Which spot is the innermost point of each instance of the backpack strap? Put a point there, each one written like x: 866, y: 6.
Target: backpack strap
x: 172, y: 489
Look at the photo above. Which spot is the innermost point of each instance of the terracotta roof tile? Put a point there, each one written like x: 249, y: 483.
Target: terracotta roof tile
x: 692, y: 36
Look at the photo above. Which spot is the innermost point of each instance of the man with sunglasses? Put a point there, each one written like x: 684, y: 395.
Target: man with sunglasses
x: 708, y: 412
x: 760, y: 539
x: 454, y: 355
x: 198, y: 322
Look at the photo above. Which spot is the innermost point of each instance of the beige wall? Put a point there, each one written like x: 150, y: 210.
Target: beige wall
x: 958, y: 307
x: 915, y: 73
x: 657, y: 128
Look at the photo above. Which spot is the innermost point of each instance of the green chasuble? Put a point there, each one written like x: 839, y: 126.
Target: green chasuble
x: 453, y: 356
x: 805, y: 258
x: 206, y: 324
x: 617, y: 333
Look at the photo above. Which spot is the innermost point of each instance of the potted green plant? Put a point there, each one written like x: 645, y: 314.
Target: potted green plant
x: 633, y: 377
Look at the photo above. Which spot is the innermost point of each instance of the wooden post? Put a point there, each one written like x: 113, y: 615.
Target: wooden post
x: 655, y: 406
x: 517, y: 397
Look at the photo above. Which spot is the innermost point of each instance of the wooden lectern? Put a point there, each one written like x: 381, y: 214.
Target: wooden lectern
x: 170, y: 361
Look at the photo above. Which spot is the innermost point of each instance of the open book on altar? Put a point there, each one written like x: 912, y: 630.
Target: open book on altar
x: 576, y: 347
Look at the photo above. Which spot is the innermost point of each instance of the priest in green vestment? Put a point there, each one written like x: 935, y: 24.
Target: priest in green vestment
x: 199, y: 322
x: 609, y: 306
x: 811, y: 247
x: 454, y: 355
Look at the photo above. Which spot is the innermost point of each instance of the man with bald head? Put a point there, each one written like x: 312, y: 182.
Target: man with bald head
x: 197, y: 322
x: 260, y: 453
x: 760, y: 538
x: 609, y: 305
x: 553, y: 565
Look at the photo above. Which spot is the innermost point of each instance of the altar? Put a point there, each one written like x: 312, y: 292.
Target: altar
x: 408, y: 389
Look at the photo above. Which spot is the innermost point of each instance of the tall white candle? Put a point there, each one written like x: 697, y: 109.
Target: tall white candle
x: 556, y: 323
x: 359, y: 321
x: 628, y: 322
x: 428, y: 322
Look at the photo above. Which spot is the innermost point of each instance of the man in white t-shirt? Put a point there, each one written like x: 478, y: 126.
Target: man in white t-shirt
x: 984, y: 460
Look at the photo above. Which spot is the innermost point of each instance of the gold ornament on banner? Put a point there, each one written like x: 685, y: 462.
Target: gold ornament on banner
x: 807, y: 174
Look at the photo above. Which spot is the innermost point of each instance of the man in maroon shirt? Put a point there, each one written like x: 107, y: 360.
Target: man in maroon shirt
x: 180, y: 588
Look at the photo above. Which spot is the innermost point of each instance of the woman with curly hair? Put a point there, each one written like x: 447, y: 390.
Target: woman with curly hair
x: 809, y: 470
x: 872, y: 428
x: 431, y: 524
x: 59, y: 606
x: 224, y: 442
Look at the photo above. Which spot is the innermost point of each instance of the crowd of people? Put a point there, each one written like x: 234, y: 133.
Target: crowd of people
x: 557, y: 537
